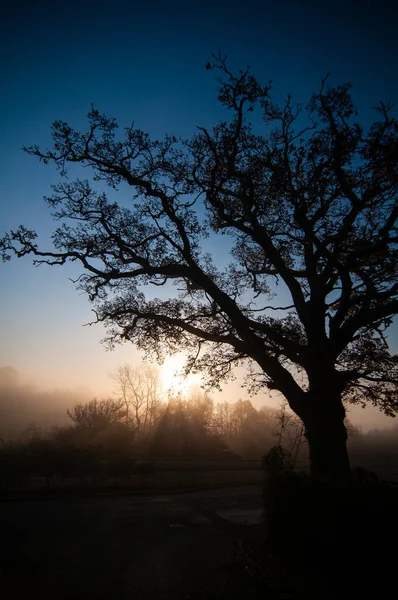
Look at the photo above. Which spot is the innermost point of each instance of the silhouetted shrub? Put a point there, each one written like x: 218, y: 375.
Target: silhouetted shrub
x: 312, y: 525
x: 277, y: 461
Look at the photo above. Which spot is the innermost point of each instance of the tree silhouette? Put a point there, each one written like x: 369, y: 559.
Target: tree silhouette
x: 139, y: 391
x: 307, y: 199
x: 97, y: 414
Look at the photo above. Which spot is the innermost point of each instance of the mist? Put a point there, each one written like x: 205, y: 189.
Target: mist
x: 31, y: 399
x: 23, y: 403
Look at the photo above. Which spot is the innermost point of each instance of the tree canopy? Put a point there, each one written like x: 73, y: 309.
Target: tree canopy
x: 306, y: 198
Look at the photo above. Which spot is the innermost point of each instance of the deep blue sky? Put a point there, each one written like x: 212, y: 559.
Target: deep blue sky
x: 146, y: 62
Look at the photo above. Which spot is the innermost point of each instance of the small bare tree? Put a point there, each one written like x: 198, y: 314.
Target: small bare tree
x: 139, y: 389
x: 222, y: 419
x: 290, y: 432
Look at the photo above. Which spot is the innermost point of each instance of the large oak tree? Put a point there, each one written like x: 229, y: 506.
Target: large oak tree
x: 305, y: 197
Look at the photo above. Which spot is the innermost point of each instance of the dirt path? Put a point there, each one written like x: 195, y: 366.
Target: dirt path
x: 162, y: 547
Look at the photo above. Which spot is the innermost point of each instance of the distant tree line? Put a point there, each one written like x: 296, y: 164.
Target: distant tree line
x: 181, y: 426
x: 114, y: 437
x: 141, y: 423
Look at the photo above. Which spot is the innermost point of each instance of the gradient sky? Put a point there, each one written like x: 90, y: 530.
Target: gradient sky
x: 146, y: 62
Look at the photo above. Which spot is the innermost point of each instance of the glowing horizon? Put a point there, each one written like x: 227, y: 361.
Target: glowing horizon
x: 173, y: 379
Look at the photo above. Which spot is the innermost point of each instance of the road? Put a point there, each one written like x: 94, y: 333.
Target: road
x: 168, y: 547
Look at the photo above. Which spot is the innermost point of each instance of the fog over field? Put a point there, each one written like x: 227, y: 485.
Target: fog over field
x: 27, y: 399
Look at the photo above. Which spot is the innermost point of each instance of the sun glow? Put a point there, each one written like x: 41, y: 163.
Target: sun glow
x: 173, y: 379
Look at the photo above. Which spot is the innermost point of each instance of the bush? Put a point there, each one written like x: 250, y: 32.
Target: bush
x: 277, y: 461
x: 330, y: 531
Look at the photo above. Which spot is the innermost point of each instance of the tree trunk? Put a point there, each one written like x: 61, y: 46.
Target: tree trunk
x: 327, y: 436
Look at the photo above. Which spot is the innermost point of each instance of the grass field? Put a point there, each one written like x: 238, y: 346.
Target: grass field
x: 158, y: 474
x: 125, y: 475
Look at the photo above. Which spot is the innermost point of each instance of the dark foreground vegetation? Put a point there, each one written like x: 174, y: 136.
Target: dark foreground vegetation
x: 319, y: 539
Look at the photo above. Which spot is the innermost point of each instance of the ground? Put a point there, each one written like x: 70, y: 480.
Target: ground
x: 165, y: 547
